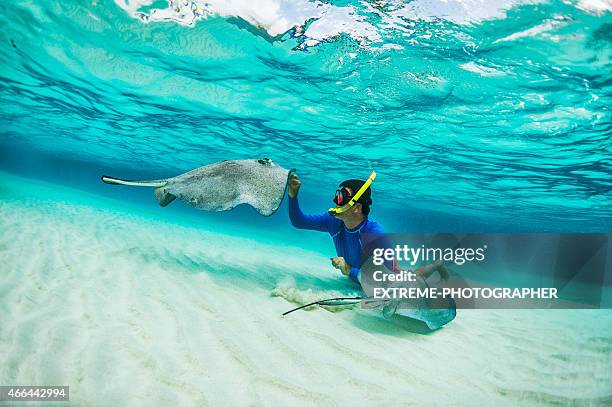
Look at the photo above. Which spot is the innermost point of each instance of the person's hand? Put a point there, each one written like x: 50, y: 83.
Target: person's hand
x: 427, y: 270
x: 293, y: 186
x: 341, y: 264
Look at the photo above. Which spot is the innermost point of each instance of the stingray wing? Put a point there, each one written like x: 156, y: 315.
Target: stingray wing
x: 222, y: 186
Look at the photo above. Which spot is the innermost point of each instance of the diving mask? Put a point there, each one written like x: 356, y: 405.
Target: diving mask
x: 344, y: 198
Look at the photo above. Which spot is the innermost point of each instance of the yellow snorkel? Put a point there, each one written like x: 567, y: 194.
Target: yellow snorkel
x: 354, y: 198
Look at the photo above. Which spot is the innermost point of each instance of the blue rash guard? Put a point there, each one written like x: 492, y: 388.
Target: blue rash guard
x: 348, y: 242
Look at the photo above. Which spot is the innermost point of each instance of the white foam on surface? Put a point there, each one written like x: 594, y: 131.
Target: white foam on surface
x: 329, y: 21
x: 456, y: 11
x: 545, y: 27
x: 480, y: 69
x: 596, y: 7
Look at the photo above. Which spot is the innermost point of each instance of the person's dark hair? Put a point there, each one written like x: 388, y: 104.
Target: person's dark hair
x: 366, y: 199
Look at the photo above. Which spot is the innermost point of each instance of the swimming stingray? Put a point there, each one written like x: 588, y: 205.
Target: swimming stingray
x: 222, y: 186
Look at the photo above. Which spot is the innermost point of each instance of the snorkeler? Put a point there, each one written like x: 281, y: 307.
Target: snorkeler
x: 347, y: 223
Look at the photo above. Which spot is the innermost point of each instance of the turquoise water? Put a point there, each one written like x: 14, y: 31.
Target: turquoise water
x: 476, y: 115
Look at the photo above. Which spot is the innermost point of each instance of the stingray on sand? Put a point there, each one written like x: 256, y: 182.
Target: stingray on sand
x: 221, y: 186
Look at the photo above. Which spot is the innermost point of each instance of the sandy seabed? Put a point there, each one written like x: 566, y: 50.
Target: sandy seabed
x: 130, y: 310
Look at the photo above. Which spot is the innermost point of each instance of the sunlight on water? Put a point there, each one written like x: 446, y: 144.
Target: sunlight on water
x: 466, y: 107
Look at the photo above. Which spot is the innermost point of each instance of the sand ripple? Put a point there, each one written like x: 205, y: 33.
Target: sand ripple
x: 133, y: 311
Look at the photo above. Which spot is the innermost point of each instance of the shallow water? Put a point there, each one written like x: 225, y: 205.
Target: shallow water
x: 477, y: 116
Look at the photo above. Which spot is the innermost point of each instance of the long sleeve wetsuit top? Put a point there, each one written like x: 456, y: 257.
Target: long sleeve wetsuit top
x: 348, y: 242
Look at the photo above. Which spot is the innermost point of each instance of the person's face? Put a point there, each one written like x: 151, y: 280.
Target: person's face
x: 352, y: 211
x: 355, y: 209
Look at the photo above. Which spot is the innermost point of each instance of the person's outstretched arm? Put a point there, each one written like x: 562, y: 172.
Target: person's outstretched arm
x: 300, y: 220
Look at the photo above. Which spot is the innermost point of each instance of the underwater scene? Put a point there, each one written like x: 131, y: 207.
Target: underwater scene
x: 153, y: 154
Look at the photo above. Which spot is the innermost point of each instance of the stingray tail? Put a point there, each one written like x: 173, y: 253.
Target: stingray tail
x: 119, y: 181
